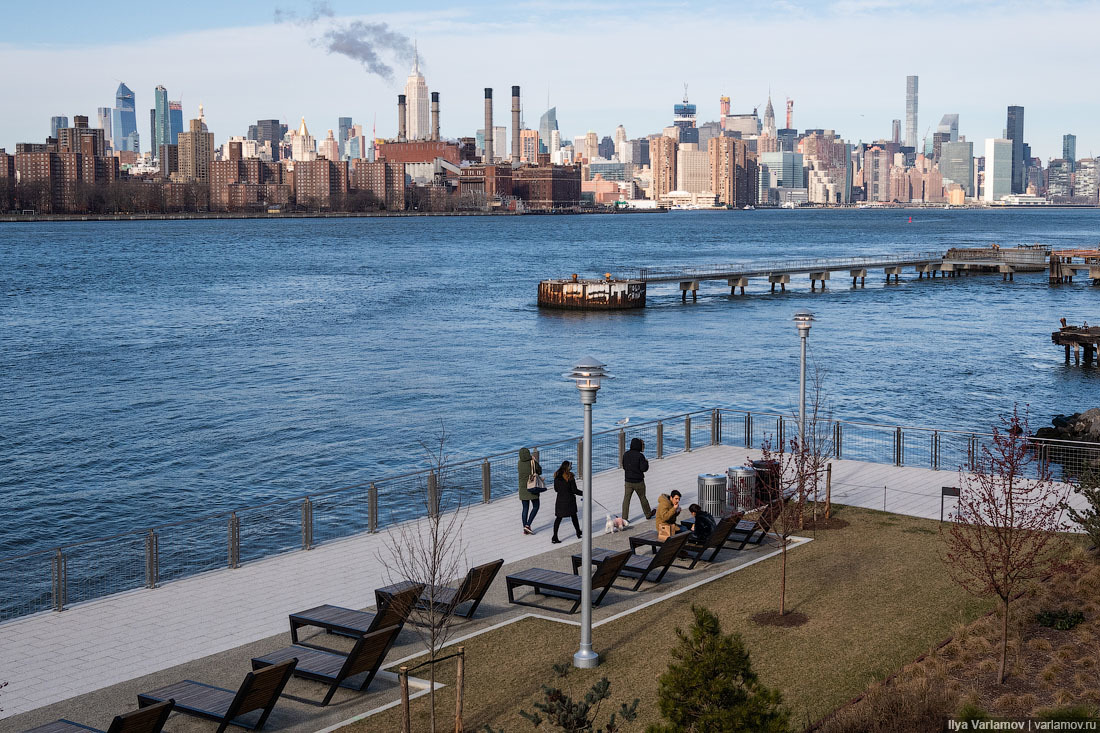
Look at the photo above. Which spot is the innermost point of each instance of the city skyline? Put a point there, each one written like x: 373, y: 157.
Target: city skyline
x: 317, y: 85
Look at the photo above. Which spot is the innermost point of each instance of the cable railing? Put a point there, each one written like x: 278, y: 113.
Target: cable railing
x: 760, y: 267
x: 71, y: 573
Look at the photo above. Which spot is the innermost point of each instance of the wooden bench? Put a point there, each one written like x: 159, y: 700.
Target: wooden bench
x: 336, y: 669
x: 566, y: 585
x: 143, y: 720
x: 259, y: 692
x: 692, y: 550
x: 640, y: 566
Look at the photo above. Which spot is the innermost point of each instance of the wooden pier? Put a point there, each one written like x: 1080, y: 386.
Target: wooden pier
x: 1079, y: 338
x: 1065, y: 264
x: 626, y: 288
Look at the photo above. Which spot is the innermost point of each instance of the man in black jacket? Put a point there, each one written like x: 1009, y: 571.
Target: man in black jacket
x: 634, y: 467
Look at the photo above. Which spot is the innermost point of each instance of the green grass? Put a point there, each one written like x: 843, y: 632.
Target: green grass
x: 875, y: 593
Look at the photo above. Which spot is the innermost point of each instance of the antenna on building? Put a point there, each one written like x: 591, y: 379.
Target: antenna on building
x: 685, y: 93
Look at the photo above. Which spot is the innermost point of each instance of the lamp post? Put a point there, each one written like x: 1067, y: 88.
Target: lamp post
x: 587, y: 376
x: 802, y: 320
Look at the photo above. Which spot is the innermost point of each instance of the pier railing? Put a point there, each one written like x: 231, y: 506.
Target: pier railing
x: 56, y: 578
x: 807, y: 264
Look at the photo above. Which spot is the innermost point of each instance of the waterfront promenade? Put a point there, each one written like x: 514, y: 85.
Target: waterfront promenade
x: 52, y: 656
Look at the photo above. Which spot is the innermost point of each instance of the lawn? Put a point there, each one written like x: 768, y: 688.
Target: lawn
x: 873, y: 590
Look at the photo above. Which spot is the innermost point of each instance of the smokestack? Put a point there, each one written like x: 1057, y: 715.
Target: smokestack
x: 400, y: 118
x: 435, y: 116
x: 515, y: 124
x: 488, y: 126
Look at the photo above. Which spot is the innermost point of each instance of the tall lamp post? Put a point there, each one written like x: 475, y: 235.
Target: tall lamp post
x: 802, y: 320
x: 587, y: 375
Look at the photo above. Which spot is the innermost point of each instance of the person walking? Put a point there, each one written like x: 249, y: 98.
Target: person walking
x: 528, y: 496
x: 565, y: 505
x: 634, y: 467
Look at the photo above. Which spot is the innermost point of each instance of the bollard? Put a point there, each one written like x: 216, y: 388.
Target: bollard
x: 459, y: 685
x: 406, y: 713
x: 152, y: 560
x: 372, y: 508
x: 687, y: 433
x: 486, y: 483
x: 660, y: 439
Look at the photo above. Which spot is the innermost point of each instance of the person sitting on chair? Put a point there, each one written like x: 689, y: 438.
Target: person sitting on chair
x: 702, y: 525
x: 668, y: 508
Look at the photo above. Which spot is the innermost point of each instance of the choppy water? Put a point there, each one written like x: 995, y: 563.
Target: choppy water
x: 154, y: 371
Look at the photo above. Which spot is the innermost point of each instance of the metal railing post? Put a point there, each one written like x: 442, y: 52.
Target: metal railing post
x: 433, y: 494
x: 838, y: 438
x: 486, y: 482
x: 660, y: 439
x: 578, y: 466
x: 372, y: 508
x: 307, y: 524
x: 972, y: 451
x: 60, y: 580
x: 748, y: 430
x: 622, y: 447
x: 152, y: 560
x: 234, y: 541
x: 899, y: 443
x: 936, y: 450
x: 779, y: 432
x: 687, y: 433
x: 715, y: 429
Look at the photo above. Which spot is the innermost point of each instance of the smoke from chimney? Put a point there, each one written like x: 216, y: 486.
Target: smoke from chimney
x: 400, y: 118
x: 488, y: 126
x: 515, y: 124
x: 435, y: 116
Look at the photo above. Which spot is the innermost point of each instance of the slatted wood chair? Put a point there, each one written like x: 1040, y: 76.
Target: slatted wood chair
x: 566, y: 585
x: 472, y: 590
x: 754, y: 531
x: 143, y: 720
x: 336, y: 670
x: 641, y: 566
x: 349, y: 622
x: 258, y: 693
x: 692, y: 550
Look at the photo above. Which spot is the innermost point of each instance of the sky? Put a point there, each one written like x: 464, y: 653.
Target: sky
x: 844, y: 63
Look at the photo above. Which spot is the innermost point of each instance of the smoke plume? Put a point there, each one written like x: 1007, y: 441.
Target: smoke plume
x: 359, y: 41
x: 363, y: 41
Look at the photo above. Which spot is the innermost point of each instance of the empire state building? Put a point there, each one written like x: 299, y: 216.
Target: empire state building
x: 416, y: 92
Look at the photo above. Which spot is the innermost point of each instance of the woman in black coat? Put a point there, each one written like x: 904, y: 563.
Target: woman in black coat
x: 565, y: 486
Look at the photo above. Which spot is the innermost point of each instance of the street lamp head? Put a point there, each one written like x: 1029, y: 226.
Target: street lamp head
x: 803, y: 320
x: 588, y: 374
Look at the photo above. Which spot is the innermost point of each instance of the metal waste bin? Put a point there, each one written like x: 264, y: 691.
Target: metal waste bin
x: 712, y: 493
x: 741, y: 488
x: 767, y: 481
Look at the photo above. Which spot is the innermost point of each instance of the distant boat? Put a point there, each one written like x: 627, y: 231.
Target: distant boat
x: 788, y: 205
x: 750, y: 207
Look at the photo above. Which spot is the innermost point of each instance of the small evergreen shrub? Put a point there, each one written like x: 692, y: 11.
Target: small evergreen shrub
x: 1062, y: 620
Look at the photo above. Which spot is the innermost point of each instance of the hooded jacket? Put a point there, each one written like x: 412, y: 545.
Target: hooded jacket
x: 526, y: 464
x: 666, y: 513
x: 634, y: 462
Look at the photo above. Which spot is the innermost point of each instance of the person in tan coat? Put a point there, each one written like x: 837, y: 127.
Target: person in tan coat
x: 668, y: 508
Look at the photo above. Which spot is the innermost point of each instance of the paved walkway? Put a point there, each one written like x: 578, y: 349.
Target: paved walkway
x: 53, y: 656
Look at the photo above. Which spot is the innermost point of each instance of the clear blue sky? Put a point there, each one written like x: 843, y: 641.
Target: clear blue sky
x: 844, y: 63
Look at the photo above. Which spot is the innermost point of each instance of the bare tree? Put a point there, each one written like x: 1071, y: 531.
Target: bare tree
x: 430, y: 552
x: 1005, y: 533
x: 785, y: 499
x: 819, y: 440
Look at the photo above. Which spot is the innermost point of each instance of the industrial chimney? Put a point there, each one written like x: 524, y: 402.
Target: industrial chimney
x: 515, y: 124
x: 488, y: 126
x: 435, y: 116
x: 400, y: 118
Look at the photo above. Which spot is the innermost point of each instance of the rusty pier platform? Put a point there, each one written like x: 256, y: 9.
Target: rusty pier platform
x: 606, y: 294
x: 1078, y: 339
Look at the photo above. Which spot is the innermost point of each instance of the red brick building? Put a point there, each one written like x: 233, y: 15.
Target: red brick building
x: 320, y: 183
x: 242, y: 184
x: 384, y: 181
x: 490, y: 180
x: 418, y: 151
x: 549, y: 186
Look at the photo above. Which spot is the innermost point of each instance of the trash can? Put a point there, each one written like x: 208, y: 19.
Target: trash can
x: 767, y: 481
x: 741, y: 488
x: 712, y: 493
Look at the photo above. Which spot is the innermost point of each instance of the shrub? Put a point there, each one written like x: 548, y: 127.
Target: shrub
x: 577, y: 716
x: 1062, y: 620
x: 1089, y: 518
x: 710, y: 686
x: 970, y: 713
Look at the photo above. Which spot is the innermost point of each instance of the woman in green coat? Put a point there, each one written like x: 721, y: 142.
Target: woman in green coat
x: 529, y: 499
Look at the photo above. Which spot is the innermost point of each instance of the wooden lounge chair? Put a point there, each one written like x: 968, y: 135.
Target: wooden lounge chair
x: 143, y: 720
x: 336, y: 669
x: 566, y: 585
x: 692, y: 550
x: 753, y: 531
x: 349, y: 622
x: 472, y: 590
x: 640, y: 566
x: 259, y: 692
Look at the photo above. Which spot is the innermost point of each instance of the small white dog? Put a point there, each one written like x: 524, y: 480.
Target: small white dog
x: 615, y: 523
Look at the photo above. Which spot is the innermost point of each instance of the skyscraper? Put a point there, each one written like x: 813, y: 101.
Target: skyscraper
x: 957, y: 165
x: 196, y: 150
x: 344, y: 125
x: 103, y: 115
x: 911, y: 112
x: 895, y: 131
x: 124, y: 121
x: 1014, y: 131
x: 175, y: 121
x: 998, y: 169
x: 1069, y: 150
x: 59, y: 122
x: 949, y: 126
x: 662, y: 156
x: 153, y: 133
x: 161, y: 125
x: 684, y: 118
x: 769, y: 118
x: 416, y: 94
x: 547, y: 124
